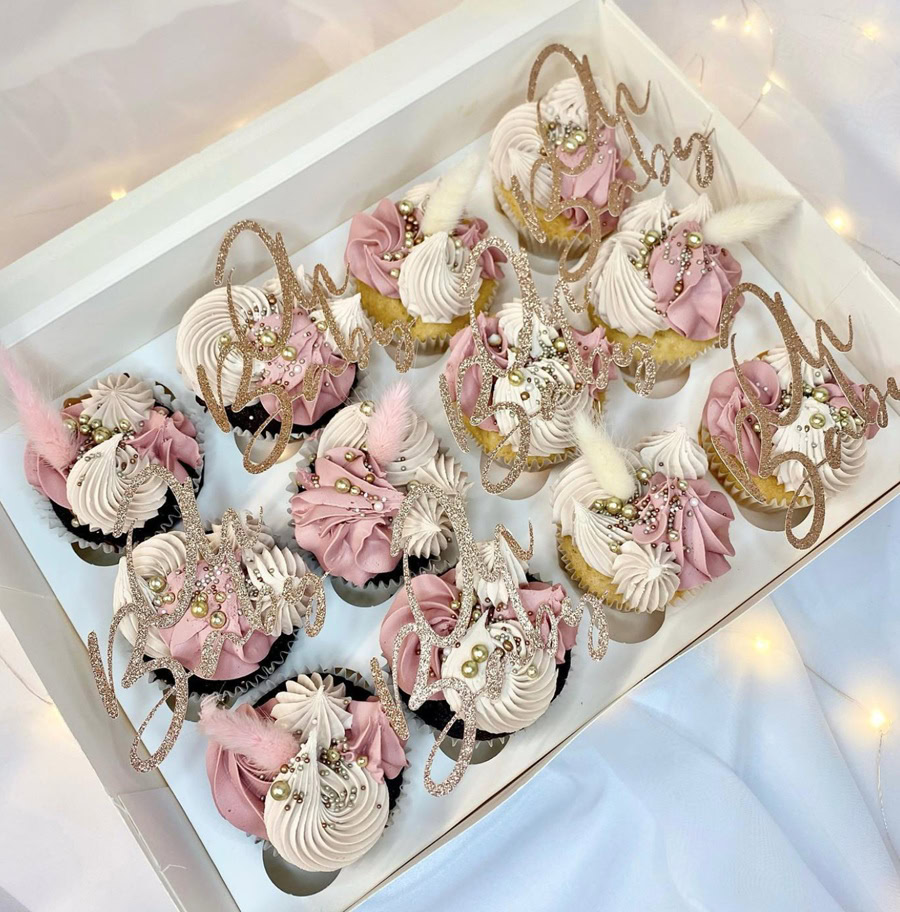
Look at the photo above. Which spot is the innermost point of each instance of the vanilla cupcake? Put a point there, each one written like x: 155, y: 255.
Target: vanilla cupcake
x: 315, y: 769
x: 640, y: 529
x: 516, y: 144
x: 83, y: 457
x: 352, y: 479
x: 528, y: 687
x: 409, y: 259
x: 270, y: 573
x: 662, y: 279
x: 207, y: 324
x: 823, y: 406
x: 549, y: 361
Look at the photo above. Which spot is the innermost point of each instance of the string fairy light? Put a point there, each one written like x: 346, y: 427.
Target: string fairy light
x: 117, y: 193
x: 761, y: 644
x: 720, y: 23
x: 871, y: 31
x: 838, y: 220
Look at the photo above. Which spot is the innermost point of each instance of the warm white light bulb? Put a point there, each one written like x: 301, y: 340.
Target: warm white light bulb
x: 877, y: 719
x: 761, y: 644
x: 767, y: 87
x: 117, y: 193
x: 871, y: 31
x: 838, y: 221
x: 748, y: 27
x: 719, y: 23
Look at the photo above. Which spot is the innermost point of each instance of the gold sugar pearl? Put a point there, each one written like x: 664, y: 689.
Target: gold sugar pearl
x: 469, y: 669
x: 280, y: 789
x: 342, y: 485
x: 217, y: 620
x: 156, y: 583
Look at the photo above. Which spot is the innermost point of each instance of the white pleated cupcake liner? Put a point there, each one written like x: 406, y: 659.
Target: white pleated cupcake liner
x: 43, y: 507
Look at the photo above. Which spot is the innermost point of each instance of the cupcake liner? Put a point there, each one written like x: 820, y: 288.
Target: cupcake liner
x: 58, y: 518
x: 610, y: 598
x: 735, y: 489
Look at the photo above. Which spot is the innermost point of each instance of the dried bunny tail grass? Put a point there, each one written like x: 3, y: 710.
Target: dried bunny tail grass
x: 608, y: 465
x: 266, y: 745
x: 389, y: 424
x: 745, y: 220
x: 448, y: 200
x: 41, y: 420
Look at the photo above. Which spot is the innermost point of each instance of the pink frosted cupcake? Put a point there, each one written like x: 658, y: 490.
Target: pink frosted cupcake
x: 409, y: 259
x: 314, y: 769
x: 353, y: 477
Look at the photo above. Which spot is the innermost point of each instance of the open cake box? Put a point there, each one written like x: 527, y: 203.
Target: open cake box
x: 109, y: 292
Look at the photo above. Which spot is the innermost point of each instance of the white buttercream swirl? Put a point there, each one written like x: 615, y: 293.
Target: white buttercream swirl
x: 515, y: 147
x: 523, y: 699
x: 427, y: 529
x: 274, y: 566
x: 418, y: 449
x: 349, y: 316
x: 495, y: 555
x: 312, y: 701
x: 432, y: 283
x: 698, y: 210
x: 804, y: 438
x: 120, y: 398
x: 779, y: 359
x: 593, y: 533
x: 96, y: 486
x: 575, y: 484
x: 646, y: 577
x: 201, y: 327
x: 313, y: 836
x: 511, y: 320
x: 620, y: 294
x: 445, y: 472
x: 649, y: 214
x: 157, y: 556
x: 273, y: 285
x: 347, y: 428
x: 675, y: 453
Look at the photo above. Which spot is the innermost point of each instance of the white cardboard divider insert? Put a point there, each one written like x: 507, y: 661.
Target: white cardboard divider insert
x: 451, y: 104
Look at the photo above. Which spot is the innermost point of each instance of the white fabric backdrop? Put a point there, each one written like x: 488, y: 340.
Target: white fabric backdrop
x: 733, y: 780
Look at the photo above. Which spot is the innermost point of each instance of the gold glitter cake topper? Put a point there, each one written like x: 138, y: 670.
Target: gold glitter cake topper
x: 861, y: 415
x: 268, y: 345
x: 304, y: 593
x: 656, y: 166
x: 499, y: 662
x: 551, y: 313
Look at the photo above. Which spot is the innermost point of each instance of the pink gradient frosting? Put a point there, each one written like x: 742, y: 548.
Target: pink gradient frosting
x: 186, y: 638
x: 238, y: 787
x: 383, y: 231
x: 42, y: 476
x: 535, y: 595
x: 311, y: 349
x: 434, y: 595
x: 593, y: 183
x: 695, y: 312
x: 701, y: 521
x: 726, y: 399
x: 169, y: 440
x: 348, y: 536
x: 371, y: 736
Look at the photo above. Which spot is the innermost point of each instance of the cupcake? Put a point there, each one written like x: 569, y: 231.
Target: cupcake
x: 315, y: 769
x: 530, y: 682
x: 548, y: 363
x: 516, y: 144
x: 275, y: 582
x: 207, y: 326
x: 823, y: 406
x: 640, y: 529
x: 356, y: 474
x: 82, y: 458
x: 662, y: 279
x: 409, y: 259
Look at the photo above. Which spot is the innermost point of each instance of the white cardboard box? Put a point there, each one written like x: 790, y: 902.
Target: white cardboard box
x: 119, y: 282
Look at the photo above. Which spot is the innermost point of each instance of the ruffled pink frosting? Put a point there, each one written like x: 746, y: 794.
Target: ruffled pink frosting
x: 348, y: 536
x: 593, y: 183
x: 534, y: 596
x: 839, y: 400
x: 42, y: 476
x: 186, y: 638
x: 712, y: 273
x: 434, y: 595
x: 371, y: 736
x: 726, y: 399
x: 169, y: 440
x: 238, y: 787
x: 701, y: 523
x: 462, y: 346
x: 383, y: 231
x: 311, y: 349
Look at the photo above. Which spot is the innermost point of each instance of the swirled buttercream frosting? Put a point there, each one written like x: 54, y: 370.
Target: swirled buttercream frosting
x: 645, y: 576
x: 313, y: 702
x: 120, y: 401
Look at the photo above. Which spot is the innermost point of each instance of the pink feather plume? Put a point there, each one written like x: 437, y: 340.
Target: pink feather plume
x: 41, y: 420
x: 246, y: 732
x: 389, y: 424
